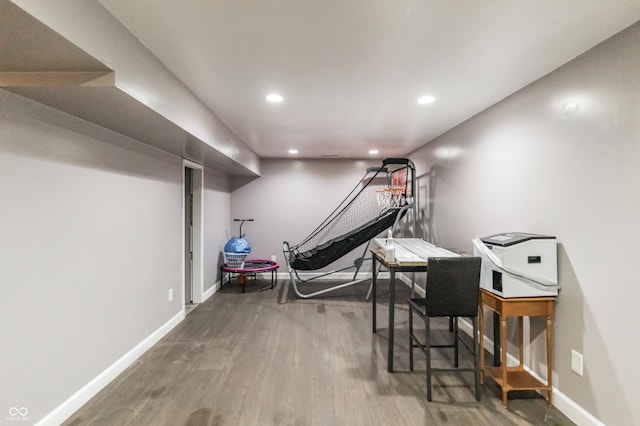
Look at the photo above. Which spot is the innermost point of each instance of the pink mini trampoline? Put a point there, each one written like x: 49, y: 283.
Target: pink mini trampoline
x: 251, y: 267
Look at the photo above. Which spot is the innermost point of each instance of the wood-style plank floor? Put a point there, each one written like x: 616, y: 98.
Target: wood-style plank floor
x: 266, y: 357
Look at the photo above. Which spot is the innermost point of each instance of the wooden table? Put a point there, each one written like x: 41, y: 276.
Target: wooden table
x: 515, y: 377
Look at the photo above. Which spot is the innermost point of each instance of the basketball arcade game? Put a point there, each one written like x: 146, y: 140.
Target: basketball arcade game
x: 379, y: 201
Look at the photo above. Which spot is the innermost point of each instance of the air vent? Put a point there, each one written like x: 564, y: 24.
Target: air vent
x: 330, y: 155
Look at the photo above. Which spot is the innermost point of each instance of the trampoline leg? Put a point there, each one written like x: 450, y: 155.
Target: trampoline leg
x: 242, y: 281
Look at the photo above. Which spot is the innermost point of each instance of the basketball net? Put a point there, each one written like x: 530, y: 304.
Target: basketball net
x: 388, y: 198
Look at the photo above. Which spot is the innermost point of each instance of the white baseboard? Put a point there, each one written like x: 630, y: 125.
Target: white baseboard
x: 576, y: 413
x: 88, y: 391
x: 210, y: 292
x: 563, y: 403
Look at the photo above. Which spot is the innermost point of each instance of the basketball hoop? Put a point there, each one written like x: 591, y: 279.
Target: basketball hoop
x: 389, y: 197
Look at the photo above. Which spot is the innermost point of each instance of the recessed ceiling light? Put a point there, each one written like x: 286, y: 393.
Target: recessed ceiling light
x: 293, y: 151
x: 373, y: 151
x: 274, y: 97
x: 426, y: 99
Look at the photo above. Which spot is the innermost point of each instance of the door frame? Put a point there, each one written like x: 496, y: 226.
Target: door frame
x: 197, y: 273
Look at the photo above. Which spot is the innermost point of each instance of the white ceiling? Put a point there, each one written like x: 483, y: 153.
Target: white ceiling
x: 351, y: 70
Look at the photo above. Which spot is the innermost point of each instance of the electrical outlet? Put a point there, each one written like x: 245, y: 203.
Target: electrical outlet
x: 274, y: 258
x: 576, y: 362
x: 170, y: 294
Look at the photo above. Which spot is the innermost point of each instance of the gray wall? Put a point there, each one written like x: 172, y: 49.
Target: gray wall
x: 527, y: 165
x: 291, y: 198
x: 523, y: 165
x: 91, y: 227
x: 217, y: 201
x: 141, y: 75
x: 91, y: 240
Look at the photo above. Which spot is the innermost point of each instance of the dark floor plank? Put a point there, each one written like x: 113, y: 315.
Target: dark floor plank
x: 266, y: 357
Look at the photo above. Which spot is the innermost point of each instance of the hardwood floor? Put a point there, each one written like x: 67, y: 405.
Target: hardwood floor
x: 266, y: 357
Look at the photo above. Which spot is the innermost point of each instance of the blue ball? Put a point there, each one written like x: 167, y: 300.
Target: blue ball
x: 237, y: 245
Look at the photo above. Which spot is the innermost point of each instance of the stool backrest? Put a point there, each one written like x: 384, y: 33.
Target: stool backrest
x: 453, y: 286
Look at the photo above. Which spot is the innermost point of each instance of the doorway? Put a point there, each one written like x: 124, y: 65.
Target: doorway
x: 193, y: 233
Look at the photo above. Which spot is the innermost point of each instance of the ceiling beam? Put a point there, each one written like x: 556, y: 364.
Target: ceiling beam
x: 56, y: 78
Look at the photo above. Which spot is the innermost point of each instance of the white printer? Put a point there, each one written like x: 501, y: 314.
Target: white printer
x: 516, y: 264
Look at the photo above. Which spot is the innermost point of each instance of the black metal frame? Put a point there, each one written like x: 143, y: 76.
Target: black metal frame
x: 228, y: 271
x: 291, y: 252
x: 426, y: 346
x: 455, y: 294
